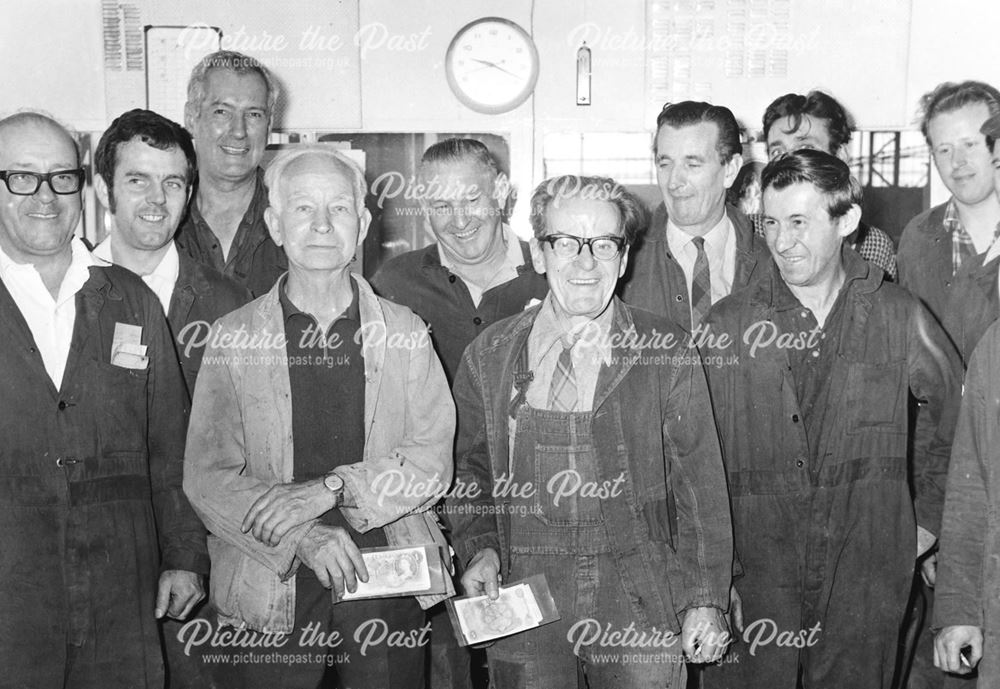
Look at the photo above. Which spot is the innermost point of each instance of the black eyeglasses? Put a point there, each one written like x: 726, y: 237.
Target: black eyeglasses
x: 24, y: 183
x: 569, y: 246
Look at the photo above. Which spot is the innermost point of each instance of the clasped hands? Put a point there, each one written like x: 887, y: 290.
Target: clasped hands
x: 329, y: 551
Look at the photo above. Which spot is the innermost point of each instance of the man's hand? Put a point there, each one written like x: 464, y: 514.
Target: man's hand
x: 331, y: 553
x: 178, y: 593
x: 948, y: 645
x: 285, y: 506
x: 735, y: 610
x: 704, y: 634
x: 482, y: 576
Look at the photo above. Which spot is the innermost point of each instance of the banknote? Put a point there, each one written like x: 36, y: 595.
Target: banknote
x: 482, y: 619
x: 393, y: 572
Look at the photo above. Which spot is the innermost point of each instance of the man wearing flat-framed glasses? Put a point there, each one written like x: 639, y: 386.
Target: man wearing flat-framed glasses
x: 565, y: 394
x: 24, y: 183
x: 97, y: 540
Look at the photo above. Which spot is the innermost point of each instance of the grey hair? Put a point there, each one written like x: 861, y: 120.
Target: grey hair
x: 235, y: 62
x: 276, y: 169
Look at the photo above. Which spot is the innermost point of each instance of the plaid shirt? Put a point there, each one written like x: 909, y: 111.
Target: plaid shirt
x: 961, y: 241
x: 875, y: 246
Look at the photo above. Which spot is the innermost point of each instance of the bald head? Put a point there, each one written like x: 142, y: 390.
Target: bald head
x: 37, y: 227
x: 43, y: 122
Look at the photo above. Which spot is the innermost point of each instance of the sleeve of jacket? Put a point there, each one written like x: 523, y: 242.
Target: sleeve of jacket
x: 215, y: 464
x: 422, y: 461
x: 958, y: 595
x: 719, y: 381
x: 470, y: 513
x: 182, y: 536
x: 704, y: 548
x: 935, y: 372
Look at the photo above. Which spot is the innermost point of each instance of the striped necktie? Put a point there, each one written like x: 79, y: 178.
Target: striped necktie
x: 562, y: 392
x: 701, y: 285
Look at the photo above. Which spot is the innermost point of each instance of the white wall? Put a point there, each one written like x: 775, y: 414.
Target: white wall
x: 51, y: 57
x: 878, y: 58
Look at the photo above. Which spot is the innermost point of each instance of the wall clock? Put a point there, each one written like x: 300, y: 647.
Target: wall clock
x: 492, y: 65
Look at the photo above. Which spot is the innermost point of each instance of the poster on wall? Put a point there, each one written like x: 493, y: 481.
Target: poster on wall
x: 171, y: 53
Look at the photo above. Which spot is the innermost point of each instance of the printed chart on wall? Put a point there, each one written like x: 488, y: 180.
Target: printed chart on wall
x: 171, y: 53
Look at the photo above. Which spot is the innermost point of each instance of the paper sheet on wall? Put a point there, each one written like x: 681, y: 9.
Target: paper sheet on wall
x: 171, y: 53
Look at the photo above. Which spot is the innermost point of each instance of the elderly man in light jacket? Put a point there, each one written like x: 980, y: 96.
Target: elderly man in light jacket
x: 317, y: 404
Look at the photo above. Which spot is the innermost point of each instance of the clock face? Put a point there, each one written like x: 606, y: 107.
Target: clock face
x: 492, y: 65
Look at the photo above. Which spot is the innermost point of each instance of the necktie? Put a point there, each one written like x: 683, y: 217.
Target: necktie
x: 562, y: 393
x: 701, y: 285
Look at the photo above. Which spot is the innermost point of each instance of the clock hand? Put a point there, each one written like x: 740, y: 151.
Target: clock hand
x: 495, y: 66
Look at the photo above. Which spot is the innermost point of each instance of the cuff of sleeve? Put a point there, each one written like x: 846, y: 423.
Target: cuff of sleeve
x: 467, y: 549
x: 951, y: 610
x: 701, y: 598
x: 186, y: 561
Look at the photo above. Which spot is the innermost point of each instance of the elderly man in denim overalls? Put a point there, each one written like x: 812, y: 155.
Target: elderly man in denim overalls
x: 586, y: 429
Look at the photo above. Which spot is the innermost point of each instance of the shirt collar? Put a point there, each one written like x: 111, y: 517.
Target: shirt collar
x: 289, y: 309
x: 715, y: 239
x: 550, y: 328
x: 952, y: 221
x: 162, y: 279
x: 513, y: 257
x: 76, y: 274
x: 103, y: 251
x: 855, y: 268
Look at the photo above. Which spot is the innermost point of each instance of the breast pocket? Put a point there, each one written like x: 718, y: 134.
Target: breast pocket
x: 876, y: 397
x: 119, y: 399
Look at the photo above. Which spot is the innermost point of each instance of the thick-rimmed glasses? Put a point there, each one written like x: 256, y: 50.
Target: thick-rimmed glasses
x: 603, y: 248
x: 25, y: 183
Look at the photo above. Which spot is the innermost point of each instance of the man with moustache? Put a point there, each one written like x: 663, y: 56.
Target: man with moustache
x: 557, y: 389
x: 144, y: 167
x: 98, y: 539
x: 229, y: 112
x: 815, y: 424
x: 295, y: 427
x: 477, y: 272
x: 816, y: 120
x: 697, y: 249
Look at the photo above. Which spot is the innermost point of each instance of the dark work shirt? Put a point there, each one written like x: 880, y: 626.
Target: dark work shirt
x: 811, y: 366
x: 418, y: 280
x: 254, y: 260
x: 326, y: 373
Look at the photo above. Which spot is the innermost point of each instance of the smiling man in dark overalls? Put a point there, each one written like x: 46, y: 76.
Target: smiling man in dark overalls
x: 611, y: 457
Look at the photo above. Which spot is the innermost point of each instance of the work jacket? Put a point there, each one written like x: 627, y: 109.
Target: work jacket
x: 240, y: 444
x: 825, y: 526
x: 968, y: 576
x: 91, y: 506
x: 966, y: 302
x: 652, y: 423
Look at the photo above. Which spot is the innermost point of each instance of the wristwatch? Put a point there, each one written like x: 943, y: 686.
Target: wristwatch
x: 335, y: 485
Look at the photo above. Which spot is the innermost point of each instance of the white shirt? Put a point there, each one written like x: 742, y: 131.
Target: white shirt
x: 49, y: 320
x: 720, y: 247
x: 508, y: 271
x: 162, y: 280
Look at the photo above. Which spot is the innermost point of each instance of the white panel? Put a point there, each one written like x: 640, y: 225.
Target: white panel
x: 52, y: 57
x: 308, y: 44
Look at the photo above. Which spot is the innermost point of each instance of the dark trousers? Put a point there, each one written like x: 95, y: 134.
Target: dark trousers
x: 382, y: 645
